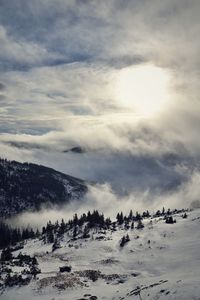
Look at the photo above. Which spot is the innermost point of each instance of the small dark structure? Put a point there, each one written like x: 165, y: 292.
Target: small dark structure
x: 170, y: 220
x: 65, y: 269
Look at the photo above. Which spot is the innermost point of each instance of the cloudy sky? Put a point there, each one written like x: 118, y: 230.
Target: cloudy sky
x: 117, y: 78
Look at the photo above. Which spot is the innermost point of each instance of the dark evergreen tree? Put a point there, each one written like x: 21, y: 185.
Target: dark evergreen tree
x: 6, y: 254
x: 140, y: 225
x: 49, y: 233
x: 130, y: 215
x: 184, y: 216
x: 127, y: 238
x: 120, y: 218
x: 124, y: 240
x: 163, y: 211
x: 108, y: 222
x: 56, y: 245
x: 86, y: 232
x: 146, y: 214
x: 132, y: 225
x: 138, y: 217
x: 170, y: 220
x: 169, y: 212
x: 75, y: 231
x: 75, y: 219
x: 62, y: 227
x: 43, y: 230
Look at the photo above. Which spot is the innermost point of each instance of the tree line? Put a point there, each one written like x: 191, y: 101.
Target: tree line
x: 11, y: 236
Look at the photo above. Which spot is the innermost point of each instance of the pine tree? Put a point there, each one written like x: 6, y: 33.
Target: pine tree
x: 86, y: 232
x: 62, y: 227
x: 140, y: 225
x: 75, y: 219
x: 130, y: 215
x: 127, y: 238
x: 123, y: 241
x: 108, y: 222
x: 50, y: 235
x: 75, y: 232
x: 120, y: 218
x: 132, y: 225
x: 163, y: 211
x: 6, y: 254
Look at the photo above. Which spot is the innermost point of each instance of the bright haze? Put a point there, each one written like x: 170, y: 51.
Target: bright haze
x: 117, y: 80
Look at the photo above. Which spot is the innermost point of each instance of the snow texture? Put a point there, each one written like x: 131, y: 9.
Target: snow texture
x: 161, y: 261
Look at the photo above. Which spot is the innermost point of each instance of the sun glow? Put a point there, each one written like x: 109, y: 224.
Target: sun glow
x: 143, y: 89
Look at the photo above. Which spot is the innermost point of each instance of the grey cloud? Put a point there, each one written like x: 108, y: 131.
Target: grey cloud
x: 24, y: 53
x: 58, y: 58
x: 2, y: 99
x: 2, y: 86
x: 82, y: 31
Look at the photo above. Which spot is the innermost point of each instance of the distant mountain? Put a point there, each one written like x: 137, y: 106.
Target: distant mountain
x: 26, y: 186
x: 77, y: 149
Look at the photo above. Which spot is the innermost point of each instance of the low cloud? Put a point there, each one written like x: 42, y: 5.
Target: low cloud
x: 104, y: 199
x: 60, y: 62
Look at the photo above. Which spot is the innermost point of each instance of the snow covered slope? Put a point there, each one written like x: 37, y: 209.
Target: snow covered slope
x: 161, y: 261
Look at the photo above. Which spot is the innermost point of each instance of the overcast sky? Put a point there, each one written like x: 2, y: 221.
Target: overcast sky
x: 119, y: 78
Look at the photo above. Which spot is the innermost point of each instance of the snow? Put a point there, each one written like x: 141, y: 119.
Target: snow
x: 167, y: 267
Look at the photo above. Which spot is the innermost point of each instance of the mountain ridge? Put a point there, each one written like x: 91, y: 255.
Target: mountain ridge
x: 28, y: 186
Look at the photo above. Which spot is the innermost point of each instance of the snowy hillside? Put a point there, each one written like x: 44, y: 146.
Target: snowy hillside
x: 28, y: 186
x: 161, y: 261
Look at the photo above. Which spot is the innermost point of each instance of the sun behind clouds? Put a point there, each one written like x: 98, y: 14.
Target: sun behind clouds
x: 143, y: 90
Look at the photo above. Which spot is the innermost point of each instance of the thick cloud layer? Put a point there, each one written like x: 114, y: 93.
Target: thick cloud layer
x: 59, y: 70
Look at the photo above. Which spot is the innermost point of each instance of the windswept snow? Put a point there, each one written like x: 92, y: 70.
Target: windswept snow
x: 161, y: 261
